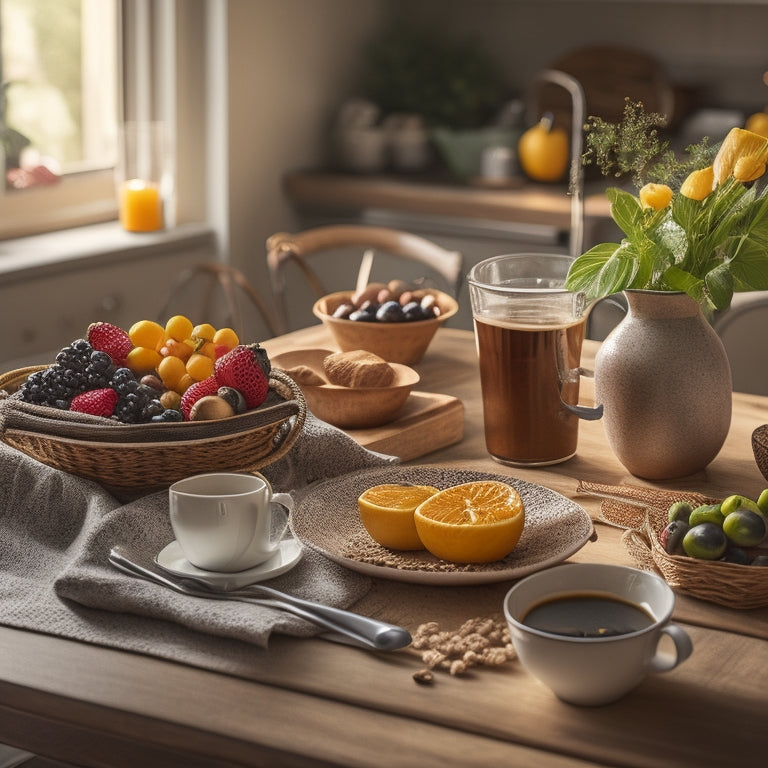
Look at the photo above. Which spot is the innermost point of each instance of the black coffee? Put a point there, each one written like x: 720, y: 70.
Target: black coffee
x: 587, y: 615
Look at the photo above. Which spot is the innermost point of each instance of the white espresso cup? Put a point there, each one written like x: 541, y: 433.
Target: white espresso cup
x: 593, y: 666
x: 228, y: 521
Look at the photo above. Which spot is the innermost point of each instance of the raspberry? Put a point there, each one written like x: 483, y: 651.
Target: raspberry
x: 97, y: 402
x: 110, y: 339
x: 196, y: 391
x: 245, y: 368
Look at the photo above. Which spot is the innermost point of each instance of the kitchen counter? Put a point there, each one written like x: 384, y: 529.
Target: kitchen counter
x: 521, y: 202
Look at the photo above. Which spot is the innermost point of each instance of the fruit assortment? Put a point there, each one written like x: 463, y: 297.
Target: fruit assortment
x: 731, y: 531
x: 393, y: 302
x: 154, y: 373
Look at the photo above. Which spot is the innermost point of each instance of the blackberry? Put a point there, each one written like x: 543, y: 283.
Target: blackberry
x: 78, y: 368
x: 137, y: 403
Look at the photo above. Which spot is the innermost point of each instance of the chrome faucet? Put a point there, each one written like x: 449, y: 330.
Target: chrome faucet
x: 576, y: 182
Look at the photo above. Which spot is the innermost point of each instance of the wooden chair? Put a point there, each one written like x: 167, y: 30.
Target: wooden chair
x: 283, y: 247
x: 217, y: 293
x: 742, y: 329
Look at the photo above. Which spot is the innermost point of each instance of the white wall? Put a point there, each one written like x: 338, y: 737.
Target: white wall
x: 290, y: 64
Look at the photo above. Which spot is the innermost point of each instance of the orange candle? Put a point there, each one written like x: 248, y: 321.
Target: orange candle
x: 141, y: 207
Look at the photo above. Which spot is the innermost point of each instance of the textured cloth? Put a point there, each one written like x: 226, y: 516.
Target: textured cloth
x: 56, y: 531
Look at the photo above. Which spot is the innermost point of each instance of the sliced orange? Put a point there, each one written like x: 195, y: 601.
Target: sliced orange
x: 386, y: 512
x: 476, y: 522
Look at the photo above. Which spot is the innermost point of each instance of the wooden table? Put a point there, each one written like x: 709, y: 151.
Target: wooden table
x: 317, y: 703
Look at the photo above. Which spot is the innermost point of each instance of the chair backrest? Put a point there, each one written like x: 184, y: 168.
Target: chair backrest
x: 283, y: 247
x: 217, y: 293
x: 742, y: 328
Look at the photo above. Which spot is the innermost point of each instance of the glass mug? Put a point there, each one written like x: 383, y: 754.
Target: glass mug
x: 529, y: 331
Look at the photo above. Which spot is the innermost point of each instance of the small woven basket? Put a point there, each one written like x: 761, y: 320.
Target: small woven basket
x: 131, y: 460
x: 643, y: 513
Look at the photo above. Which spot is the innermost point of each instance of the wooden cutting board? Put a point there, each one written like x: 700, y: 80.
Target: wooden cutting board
x: 427, y: 422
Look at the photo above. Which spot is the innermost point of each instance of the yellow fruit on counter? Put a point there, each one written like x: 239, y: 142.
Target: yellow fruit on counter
x: 758, y: 123
x: 543, y: 151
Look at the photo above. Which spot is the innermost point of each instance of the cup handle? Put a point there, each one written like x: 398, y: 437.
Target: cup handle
x: 283, y: 504
x: 683, y: 649
x: 584, y: 411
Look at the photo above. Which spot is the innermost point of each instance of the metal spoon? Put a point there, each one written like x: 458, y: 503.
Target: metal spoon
x: 361, y: 630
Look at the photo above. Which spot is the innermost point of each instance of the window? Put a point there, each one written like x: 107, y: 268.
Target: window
x: 59, y: 106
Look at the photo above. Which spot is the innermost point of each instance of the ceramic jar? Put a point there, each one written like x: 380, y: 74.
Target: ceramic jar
x: 664, y: 380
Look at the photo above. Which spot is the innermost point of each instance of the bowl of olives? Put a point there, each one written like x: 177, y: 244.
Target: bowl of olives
x: 389, y: 320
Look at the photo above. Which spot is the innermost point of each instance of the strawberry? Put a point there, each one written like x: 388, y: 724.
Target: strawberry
x: 97, y: 402
x: 110, y: 339
x: 196, y: 391
x: 245, y: 368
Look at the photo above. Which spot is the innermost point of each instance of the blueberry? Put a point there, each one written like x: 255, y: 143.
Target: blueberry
x: 413, y: 311
x: 362, y: 316
x: 390, y: 312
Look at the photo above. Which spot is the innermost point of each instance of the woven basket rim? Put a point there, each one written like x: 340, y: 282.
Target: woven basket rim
x: 21, y: 416
x: 246, y: 442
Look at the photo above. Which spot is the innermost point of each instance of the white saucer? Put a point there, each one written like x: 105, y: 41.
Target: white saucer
x: 288, y: 553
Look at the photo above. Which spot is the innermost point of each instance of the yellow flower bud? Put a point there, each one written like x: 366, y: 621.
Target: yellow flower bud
x: 738, y: 143
x: 656, y: 196
x: 698, y: 184
x: 748, y: 168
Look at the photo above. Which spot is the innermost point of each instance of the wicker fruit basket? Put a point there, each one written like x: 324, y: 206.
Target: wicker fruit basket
x: 643, y: 513
x: 134, y: 459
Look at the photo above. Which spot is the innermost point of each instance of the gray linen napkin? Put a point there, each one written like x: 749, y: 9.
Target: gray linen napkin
x: 57, y: 529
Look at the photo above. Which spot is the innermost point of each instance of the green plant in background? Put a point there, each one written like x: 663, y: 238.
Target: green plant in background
x: 450, y: 84
x: 698, y: 224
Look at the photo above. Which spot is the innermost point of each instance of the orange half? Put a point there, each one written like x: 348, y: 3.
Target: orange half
x: 386, y: 511
x: 476, y: 522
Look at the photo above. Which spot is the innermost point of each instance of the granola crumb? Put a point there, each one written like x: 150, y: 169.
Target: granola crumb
x: 479, y: 642
x: 424, y: 677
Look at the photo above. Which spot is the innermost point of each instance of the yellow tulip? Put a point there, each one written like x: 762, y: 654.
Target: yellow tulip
x: 748, y: 168
x: 738, y: 143
x: 656, y: 196
x: 698, y: 184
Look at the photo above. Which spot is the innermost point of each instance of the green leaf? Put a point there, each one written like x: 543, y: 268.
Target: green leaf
x: 749, y: 266
x: 605, y: 269
x: 719, y: 283
x: 626, y: 211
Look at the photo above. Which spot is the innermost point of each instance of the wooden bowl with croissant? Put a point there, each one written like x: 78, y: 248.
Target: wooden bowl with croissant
x: 350, y: 390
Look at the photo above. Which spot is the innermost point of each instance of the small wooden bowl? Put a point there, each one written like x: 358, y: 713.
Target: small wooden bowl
x: 403, y: 343
x: 349, y: 407
x: 760, y: 448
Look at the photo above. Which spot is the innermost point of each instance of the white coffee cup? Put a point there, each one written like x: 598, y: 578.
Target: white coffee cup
x: 228, y: 521
x: 595, y: 670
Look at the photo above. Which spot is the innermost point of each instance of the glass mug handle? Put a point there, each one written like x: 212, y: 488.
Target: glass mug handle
x: 585, y: 412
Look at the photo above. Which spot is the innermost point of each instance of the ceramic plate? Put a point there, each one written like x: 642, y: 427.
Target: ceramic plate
x: 289, y: 552
x: 326, y: 518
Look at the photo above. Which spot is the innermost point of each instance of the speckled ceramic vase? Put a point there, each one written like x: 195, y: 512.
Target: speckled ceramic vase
x: 664, y: 380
